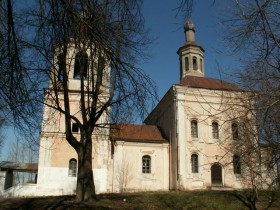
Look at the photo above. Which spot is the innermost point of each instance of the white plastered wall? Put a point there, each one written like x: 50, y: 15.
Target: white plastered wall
x: 205, y: 106
x: 128, y: 164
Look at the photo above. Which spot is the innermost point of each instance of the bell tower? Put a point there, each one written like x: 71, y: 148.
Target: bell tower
x: 191, y: 54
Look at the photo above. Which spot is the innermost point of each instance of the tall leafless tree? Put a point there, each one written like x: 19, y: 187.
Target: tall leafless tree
x: 252, y: 27
x: 114, y: 34
x: 251, y: 33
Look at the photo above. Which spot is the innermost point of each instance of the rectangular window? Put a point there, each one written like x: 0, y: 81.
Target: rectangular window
x: 72, y: 167
x: 146, y: 164
x: 236, y: 164
x: 194, y: 130
x: 194, y: 162
x: 215, y: 130
x: 186, y: 64
x: 75, y: 128
x: 194, y: 63
x: 234, y: 129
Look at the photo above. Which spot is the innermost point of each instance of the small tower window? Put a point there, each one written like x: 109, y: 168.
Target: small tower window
x: 215, y: 130
x: 75, y: 128
x: 81, y: 65
x: 146, y: 164
x: 194, y: 130
x: 194, y: 63
x: 234, y: 130
x: 194, y: 163
x: 186, y: 63
x: 236, y: 164
x: 61, y: 66
x: 201, y: 65
x: 72, y: 167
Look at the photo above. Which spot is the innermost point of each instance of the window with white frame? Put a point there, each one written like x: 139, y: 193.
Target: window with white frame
x: 215, y: 130
x: 146, y: 164
x: 72, y: 167
x: 194, y: 129
x: 194, y: 163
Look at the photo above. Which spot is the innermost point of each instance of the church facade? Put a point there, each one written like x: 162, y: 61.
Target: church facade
x: 187, y: 142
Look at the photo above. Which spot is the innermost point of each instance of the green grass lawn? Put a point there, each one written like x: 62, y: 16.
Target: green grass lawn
x: 187, y: 200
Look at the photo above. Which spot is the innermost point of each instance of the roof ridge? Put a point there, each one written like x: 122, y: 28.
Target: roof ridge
x: 208, y: 83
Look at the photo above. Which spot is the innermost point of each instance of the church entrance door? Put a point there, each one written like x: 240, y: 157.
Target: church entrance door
x: 216, y: 175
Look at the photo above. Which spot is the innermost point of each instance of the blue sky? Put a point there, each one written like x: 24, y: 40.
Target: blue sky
x: 163, y: 66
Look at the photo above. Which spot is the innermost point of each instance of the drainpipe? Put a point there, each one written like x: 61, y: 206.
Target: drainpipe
x: 176, y: 135
x: 170, y: 153
x: 113, y: 147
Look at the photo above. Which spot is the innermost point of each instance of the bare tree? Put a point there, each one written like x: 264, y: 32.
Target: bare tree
x: 124, y: 174
x: 113, y: 35
x: 253, y: 28
x: 251, y: 33
x: 18, y: 91
x: 20, y: 153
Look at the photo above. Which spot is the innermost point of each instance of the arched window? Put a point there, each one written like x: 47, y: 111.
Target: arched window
x: 201, y: 65
x: 234, y: 130
x: 81, y: 65
x: 186, y: 63
x: 194, y: 63
x: 194, y: 162
x: 215, y: 130
x: 146, y: 164
x: 194, y: 129
x: 61, y: 66
x: 236, y: 164
x: 72, y: 167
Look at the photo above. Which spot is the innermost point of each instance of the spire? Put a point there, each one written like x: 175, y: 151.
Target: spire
x: 191, y: 54
x: 189, y: 31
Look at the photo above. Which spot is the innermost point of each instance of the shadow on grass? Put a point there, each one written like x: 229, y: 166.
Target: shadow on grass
x: 258, y: 200
x: 187, y: 200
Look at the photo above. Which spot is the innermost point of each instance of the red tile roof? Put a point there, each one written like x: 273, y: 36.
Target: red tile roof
x: 139, y: 133
x: 208, y: 83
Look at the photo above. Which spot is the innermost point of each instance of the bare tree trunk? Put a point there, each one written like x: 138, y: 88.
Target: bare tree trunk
x: 85, y: 183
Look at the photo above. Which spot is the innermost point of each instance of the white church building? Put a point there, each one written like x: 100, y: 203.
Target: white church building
x: 185, y: 143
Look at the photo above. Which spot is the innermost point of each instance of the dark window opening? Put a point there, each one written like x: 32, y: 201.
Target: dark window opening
x: 72, y: 167
x: 187, y: 64
x: 236, y: 164
x: 100, y: 67
x: 194, y: 163
x: 75, y: 128
x: 234, y: 130
x: 201, y: 65
x: 81, y: 65
x: 194, y: 63
x: 146, y: 164
x: 101, y: 63
x: 215, y: 130
x: 61, y: 66
x: 194, y: 129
